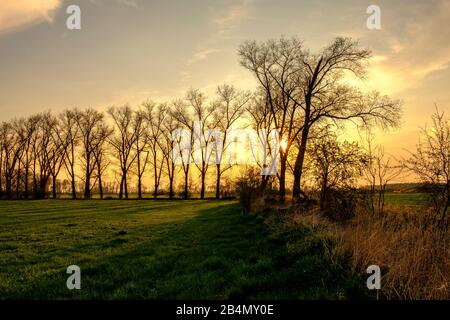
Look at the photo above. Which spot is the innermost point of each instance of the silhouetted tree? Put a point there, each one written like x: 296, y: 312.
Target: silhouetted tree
x: 228, y: 108
x: 141, y: 143
x: 122, y: 141
x: 431, y: 161
x: 155, y: 115
x: 68, y: 134
x: 88, y: 121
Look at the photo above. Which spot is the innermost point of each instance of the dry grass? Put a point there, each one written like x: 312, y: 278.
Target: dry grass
x: 413, y: 254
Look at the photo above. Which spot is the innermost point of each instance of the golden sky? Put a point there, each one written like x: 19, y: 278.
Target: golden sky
x: 133, y: 50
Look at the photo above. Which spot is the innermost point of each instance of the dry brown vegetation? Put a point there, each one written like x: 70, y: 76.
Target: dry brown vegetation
x: 413, y: 254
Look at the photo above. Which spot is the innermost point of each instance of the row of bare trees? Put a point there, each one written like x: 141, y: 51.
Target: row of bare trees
x: 85, y: 145
x: 298, y: 93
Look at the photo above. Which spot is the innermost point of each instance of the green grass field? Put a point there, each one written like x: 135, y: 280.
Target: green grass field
x: 164, y: 250
x: 406, y: 199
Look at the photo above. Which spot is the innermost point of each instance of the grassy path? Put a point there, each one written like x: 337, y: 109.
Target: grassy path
x: 161, y: 249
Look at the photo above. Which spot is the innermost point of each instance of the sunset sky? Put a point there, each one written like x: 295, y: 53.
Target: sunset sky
x: 133, y: 50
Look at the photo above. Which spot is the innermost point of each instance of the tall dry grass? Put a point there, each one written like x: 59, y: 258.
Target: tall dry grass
x: 412, y: 252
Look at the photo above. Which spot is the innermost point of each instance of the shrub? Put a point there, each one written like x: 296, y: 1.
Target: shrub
x: 340, y: 205
x: 248, y: 188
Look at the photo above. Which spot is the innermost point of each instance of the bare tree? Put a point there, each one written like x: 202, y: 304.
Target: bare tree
x: 201, y: 135
x: 325, y: 97
x: 68, y: 134
x: 122, y: 141
x: 167, y: 145
x: 431, y: 161
x: 309, y: 89
x: 30, y: 127
x: 22, y: 139
x: 378, y: 171
x: 46, y: 152
x: 183, y: 143
x: 99, y: 150
x: 228, y: 108
x: 276, y: 65
x: 261, y: 119
x: 11, y: 150
x: 155, y: 115
x: 140, y: 145
x: 88, y: 122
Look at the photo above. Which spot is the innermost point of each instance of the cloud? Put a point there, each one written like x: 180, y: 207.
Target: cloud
x: 130, y: 3
x: 234, y: 13
x: 19, y: 14
x: 227, y: 19
x: 231, y: 16
x: 201, y: 54
x: 417, y: 45
x: 127, y: 3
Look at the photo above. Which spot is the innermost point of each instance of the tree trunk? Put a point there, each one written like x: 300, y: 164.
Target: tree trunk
x: 8, y: 187
x: 171, y: 188
x: 121, y: 188
x: 155, y: 173
x: 218, y: 181
x: 54, y: 186
x: 100, y: 186
x: 99, y: 173
x: 202, y: 191
x: 298, y: 167
x: 72, y: 173
x: 282, y: 179
x: 139, y: 187
x: 72, y: 182
x: 125, y: 184
x: 186, y: 181
x: 18, y: 182
x: 323, y: 192
x: 87, y: 185
x: 155, y: 192
x: 1, y: 172
x: 171, y: 177
x: 27, y: 172
x: 139, y: 174
x: 34, y: 179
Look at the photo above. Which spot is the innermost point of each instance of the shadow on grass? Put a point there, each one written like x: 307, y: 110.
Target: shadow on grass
x: 218, y: 254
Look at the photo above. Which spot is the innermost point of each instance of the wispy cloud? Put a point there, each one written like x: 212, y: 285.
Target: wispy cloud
x: 223, y: 22
x: 128, y: 3
x: 201, y: 54
x: 230, y: 18
x: 19, y: 14
x: 234, y: 13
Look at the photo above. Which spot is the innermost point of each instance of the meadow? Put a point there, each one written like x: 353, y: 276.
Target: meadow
x: 164, y: 250
x: 406, y: 199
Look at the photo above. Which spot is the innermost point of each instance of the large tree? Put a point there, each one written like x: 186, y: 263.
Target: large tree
x: 276, y: 65
x: 312, y: 89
